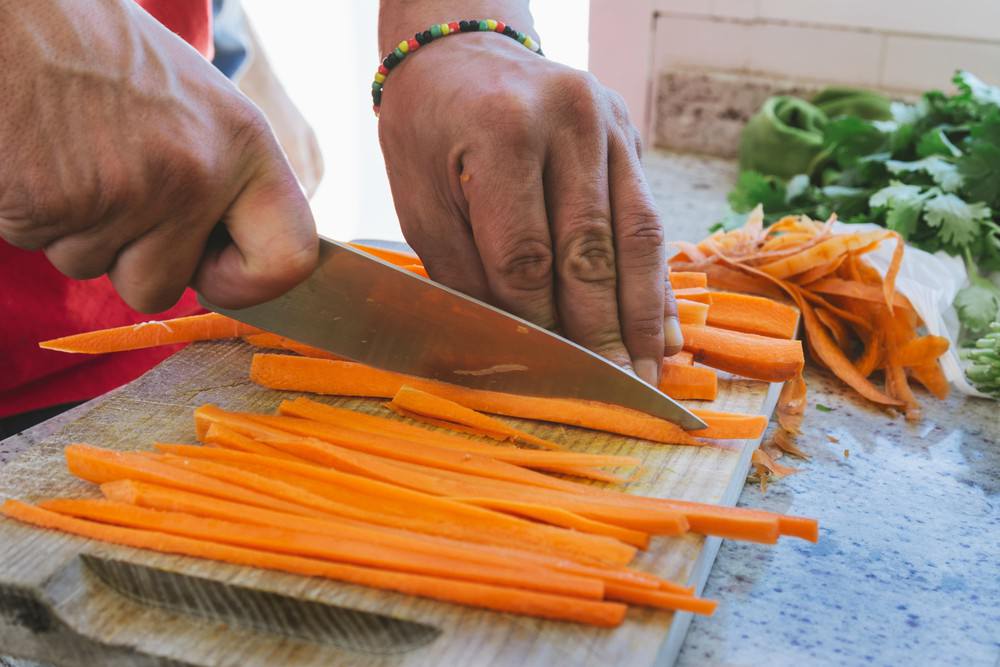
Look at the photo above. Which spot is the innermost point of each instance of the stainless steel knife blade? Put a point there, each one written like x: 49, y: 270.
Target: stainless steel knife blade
x: 365, y: 309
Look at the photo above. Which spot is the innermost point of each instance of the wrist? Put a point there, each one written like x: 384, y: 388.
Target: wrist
x: 401, y: 19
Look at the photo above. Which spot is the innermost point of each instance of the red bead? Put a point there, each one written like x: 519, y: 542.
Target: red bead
x: 383, y: 70
x: 413, y: 44
x: 375, y: 108
x: 453, y: 26
x: 500, y: 26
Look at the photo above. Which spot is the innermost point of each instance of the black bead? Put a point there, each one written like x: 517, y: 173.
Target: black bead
x: 428, y: 36
x: 510, y: 32
x: 473, y: 25
x: 463, y: 26
x: 390, y: 61
x: 420, y: 38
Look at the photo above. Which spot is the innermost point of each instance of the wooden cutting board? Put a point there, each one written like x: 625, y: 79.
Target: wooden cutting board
x: 73, y: 601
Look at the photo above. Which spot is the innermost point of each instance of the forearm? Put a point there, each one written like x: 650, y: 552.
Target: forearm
x: 400, y: 19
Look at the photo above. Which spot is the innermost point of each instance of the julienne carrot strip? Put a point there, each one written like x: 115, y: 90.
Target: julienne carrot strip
x: 391, y: 256
x: 224, y: 436
x: 333, y: 548
x: 423, y: 403
x: 660, y: 599
x: 699, y: 294
x: 752, y: 314
x: 210, y: 326
x: 153, y: 496
x: 561, y: 517
x: 692, y: 312
x: 276, y: 342
x: 689, y: 382
x: 208, y: 414
x: 457, y: 519
x: 687, y: 279
x: 349, y: 379
x: 749, y: 355
x: 484, y: 596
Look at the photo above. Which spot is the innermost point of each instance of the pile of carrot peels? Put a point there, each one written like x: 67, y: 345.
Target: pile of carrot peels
x: 367, y: 499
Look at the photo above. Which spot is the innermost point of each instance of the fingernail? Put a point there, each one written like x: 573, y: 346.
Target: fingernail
x: 673, y: 339
x: 648, y: 370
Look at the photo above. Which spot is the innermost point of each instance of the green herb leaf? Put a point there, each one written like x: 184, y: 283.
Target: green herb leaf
x: 754, y: 188
x: 956, y: 221
x: 980, y: 167
x: 902, y: 204
x: 976, y: 89
x: 944, y: 173
x: 936, y: 142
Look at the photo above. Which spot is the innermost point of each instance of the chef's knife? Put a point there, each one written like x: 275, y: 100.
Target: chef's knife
x: 362, y: 308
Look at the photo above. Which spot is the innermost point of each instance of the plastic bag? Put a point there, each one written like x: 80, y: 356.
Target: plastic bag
x: 930, y: 282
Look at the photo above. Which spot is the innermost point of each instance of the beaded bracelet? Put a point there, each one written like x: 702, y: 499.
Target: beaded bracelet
x: 442, y: 30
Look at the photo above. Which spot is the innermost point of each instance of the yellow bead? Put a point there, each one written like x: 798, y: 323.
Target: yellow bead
x: 445, y: 30
x: 530, y: 43
x: 379, y: 78
x: 492, y: 24
x: 404, y: 47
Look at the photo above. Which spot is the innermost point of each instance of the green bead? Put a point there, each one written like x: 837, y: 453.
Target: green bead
x: 376, y: 86
x: 399, y: 54
x: 484, y: 26
x: 436, y: 31
x: 520, y: 37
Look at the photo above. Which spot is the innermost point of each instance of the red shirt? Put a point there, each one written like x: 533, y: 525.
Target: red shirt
x: 38, y: 303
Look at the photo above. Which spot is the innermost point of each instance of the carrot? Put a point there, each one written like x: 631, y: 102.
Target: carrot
x: 478, y: 595
x: 749, y: 355
x: 153, y: 496
x: 660, y: 599
x: 276, y: 342
x: 807, y: 277
x: 687, y: 279
x: 752, y: 314
x: 932, y: 377
x: 308, y: 409
x: 350, y: 379
x: 707, y: 517
x: 210, y: 326
x: 417, y: 508
x: 835, y: 327
x: 922, y: 350
x: 223, y: 436
x: 334, y: 548
x: 699, y: 294
x: 208, y: 414
x: 824, y: 252
x: 692, y: 312
x: 417, y: 269
x: 855, y: 290
x: 429, y: 405
x: 682, y: 358
x: 391, y: 256
x: 689, y: 382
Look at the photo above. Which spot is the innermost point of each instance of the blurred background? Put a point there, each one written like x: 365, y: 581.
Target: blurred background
x: 692, y: 71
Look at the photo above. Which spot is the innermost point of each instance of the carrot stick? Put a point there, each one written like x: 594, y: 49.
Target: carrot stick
x: 699, y: 294
x: 692, y: 312
x: 560, y: 517
x: 208, y: 414
x: 391, y: 256
x: 478, y: 595
x: 153, y: 496
x: 334, y: 548
x: 687, y: 279
x: 459, y: 520
x: 210, y: 326
x: 423, y: 403
x: 660, y: 599
x: 350, y: 379
x: 752, y: 314
x: 224, y: 436
x: 682, y: 358
x: 749, y: 355
x: 689, y: 382
x: 276, y: 342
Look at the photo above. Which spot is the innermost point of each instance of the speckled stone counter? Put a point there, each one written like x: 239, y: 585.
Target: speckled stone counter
x: 907, y: 570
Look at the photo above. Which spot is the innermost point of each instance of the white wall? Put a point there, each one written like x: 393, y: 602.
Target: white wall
x: 326, y: 53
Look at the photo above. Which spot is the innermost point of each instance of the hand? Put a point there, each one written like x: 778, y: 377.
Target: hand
x: 517, y: 180
x: 121, y: 149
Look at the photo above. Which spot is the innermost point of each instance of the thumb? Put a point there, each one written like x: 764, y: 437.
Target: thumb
x: 267, y: 243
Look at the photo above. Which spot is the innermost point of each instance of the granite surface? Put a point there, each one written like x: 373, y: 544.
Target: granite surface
x: 907, y: 569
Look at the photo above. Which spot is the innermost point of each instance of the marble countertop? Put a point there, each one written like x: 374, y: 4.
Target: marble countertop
x: 907, y: 569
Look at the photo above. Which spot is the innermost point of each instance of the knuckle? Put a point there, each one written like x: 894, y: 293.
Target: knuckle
x: 645, y: 327
x: 526, y: 265
x: 590, y: 253
x: 509, y: 114
x: 642, y: 235
x: 577, y: 96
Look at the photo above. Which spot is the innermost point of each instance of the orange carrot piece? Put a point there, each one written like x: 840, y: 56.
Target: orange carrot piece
x: 464, y: 521
x: 423, y: 403
x: 750, y: 355
x: 932, y: 377
x: 922, y: 350
x: 351, y: 379
x: 708, y: 518
x: 478, y: 595
x: 682, y: 358
x: 391, y: 256
x: 335, y: 548
x: 818, y: 272
x: 752, y: 314
x: 208, y: 414
x: 835, y: 327
x: 856, y: 290
x: 660, y: 599
x: 276, y: 342
x: 687, y: 279
x: 226, y: 437
x: 699, y: 294
x: 692, y: 312
x: 689, y: 382
x: 210, y: 326
x: 824, y: 252
x: 153, y: 496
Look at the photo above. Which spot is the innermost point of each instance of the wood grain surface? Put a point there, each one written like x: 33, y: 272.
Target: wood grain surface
x: 71, y: 601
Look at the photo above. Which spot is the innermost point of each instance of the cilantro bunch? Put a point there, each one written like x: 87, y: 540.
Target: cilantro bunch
x: 931, y: 173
